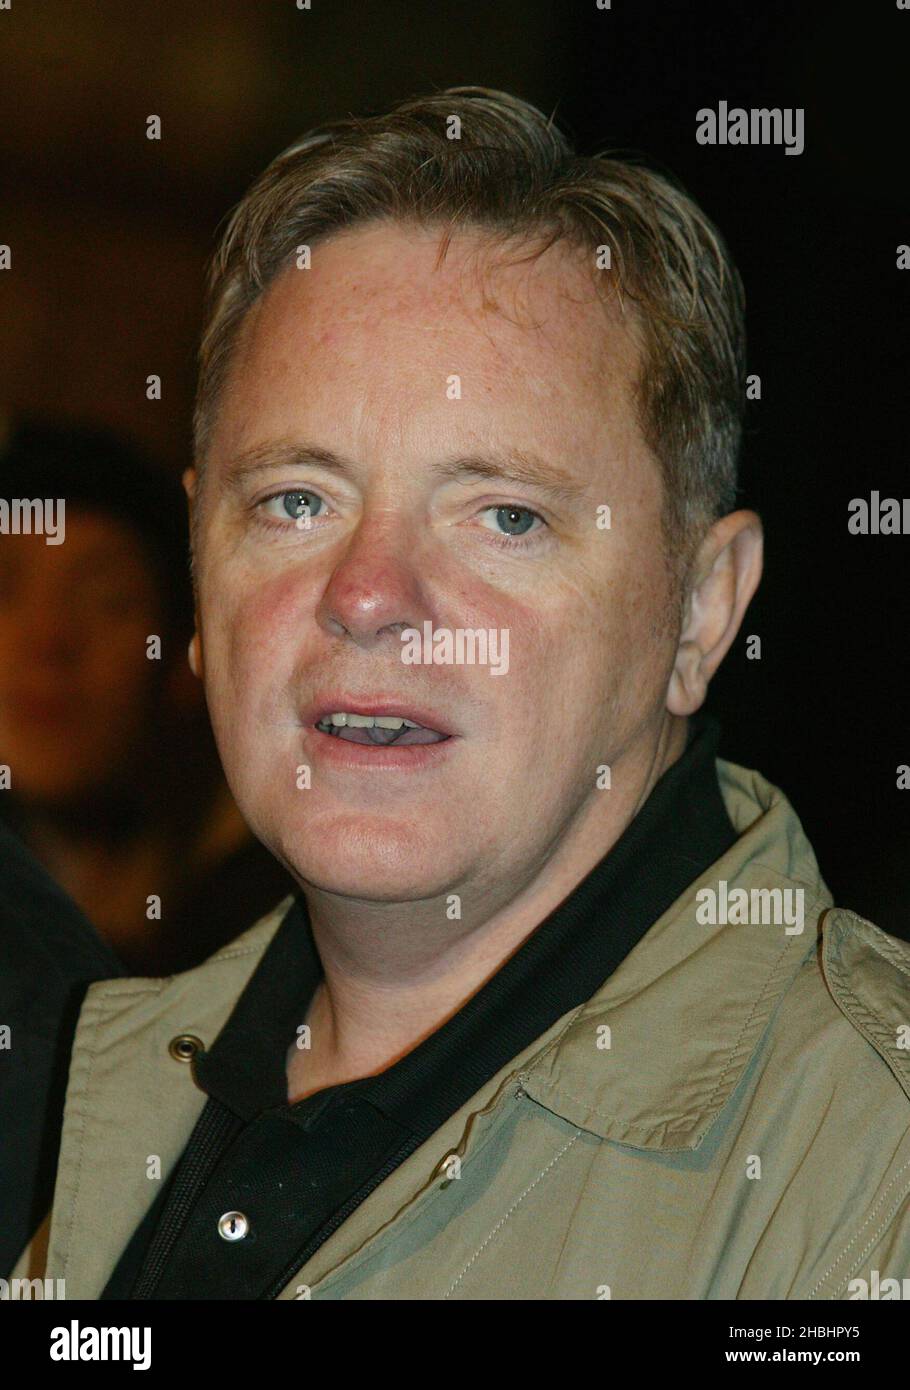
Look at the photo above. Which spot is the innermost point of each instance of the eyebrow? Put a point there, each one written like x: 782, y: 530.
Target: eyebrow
x: 508, y: 466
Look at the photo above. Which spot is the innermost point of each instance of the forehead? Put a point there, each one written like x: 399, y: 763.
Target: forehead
x: 388, y: 317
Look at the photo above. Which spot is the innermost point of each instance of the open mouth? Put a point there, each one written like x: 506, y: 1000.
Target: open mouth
x: 378, y: 730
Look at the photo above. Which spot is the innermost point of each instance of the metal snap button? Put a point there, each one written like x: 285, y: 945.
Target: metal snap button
x: 233, y: 1225
x: 184, y: 1047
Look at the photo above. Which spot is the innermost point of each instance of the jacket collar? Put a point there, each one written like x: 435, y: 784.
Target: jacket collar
x: 676, y: 1050
x: 868, y: 974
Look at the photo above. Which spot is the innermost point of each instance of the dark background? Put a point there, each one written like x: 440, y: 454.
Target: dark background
x: 110, y: 233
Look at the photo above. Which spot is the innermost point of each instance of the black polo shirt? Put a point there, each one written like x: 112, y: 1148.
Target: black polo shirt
x: 291, y: 1174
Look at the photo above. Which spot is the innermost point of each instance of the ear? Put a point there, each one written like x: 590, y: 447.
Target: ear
x: 183, y: 694
x: 726, y: 574
x: 189, y: 480
x: 194, y: 655
x: 194, y: 651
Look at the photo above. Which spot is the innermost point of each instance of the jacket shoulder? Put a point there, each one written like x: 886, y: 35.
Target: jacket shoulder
x: 868, y: 974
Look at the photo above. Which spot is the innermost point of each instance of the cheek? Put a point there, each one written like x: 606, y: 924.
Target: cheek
x: 609, y: 643
x: 253, y: 638
x: 638, y: 648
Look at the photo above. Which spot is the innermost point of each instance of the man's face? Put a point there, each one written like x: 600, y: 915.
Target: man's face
x: 396, y: 366
x: 76, y: 685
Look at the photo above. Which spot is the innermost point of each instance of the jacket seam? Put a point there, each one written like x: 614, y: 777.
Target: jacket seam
x: 127, y: 993
x: 412, y: 1207
x: 871, y: 1216
x: 235, y: 955
x: 816, y: 888
x: 517, y: 1203
x: 871, y: 1024
x: 668, y: 1130
x: 872, y: 1021
x: 892, y: 956
x: 158, y: 987
x: 892, y: 953
x: 881, y: 1230
x: 535, y: 1061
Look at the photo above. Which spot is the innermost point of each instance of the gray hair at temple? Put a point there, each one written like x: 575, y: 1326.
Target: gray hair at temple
x: 513, y: 174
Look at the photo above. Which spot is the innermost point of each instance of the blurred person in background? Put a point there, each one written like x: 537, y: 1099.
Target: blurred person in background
x: 114, y: 782
x: 49, y: 955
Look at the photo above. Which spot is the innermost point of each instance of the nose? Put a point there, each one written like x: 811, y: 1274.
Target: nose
x: 377, y: 588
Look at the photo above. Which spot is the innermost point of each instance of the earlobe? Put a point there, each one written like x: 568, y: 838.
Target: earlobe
x: 193, y: 655
x: 688, y: 683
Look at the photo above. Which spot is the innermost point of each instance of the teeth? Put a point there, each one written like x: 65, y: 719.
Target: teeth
x: 368, y: 721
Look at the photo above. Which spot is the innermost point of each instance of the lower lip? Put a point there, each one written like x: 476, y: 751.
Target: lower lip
x: 414, y: 757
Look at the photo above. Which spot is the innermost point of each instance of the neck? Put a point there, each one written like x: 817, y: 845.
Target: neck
x: 394, y: 972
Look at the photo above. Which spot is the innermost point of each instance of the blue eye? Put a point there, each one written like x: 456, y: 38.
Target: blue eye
x: 300, y: 504
x: 516, y: 521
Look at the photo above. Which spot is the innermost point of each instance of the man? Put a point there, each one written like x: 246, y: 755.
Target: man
x: 563, y: 1008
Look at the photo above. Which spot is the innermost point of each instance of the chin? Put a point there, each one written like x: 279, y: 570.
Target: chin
x: 369, y: 865
x: 371, y: 883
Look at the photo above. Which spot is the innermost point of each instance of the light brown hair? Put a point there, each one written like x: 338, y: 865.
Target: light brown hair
x: 511, y: 173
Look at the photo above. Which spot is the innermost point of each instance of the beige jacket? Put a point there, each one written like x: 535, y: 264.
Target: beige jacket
x: 739, y: 1129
